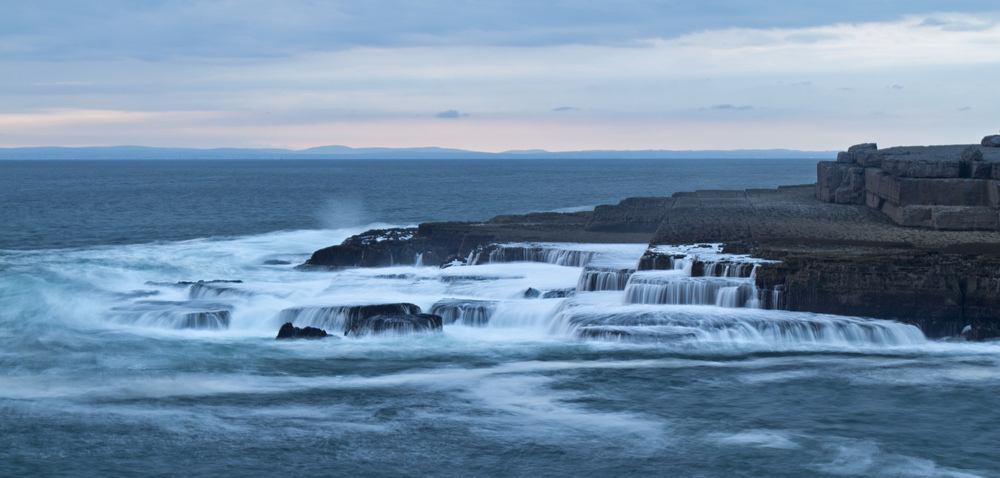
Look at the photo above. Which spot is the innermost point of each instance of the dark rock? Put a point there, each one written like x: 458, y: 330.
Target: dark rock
x: 992, y: 141
x: 276, y: 262
x: 980, y: 332
x: 938, y: 292
x: 374, y: 248
x: 399, y: 323
x: 289, y: 331
x: 532, y: 293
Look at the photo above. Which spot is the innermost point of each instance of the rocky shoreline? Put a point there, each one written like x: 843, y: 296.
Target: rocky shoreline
x: 907, y: 234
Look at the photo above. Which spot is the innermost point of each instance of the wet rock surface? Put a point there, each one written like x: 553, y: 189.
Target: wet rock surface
x: 289, y: 331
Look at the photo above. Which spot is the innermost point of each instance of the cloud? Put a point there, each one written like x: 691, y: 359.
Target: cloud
x: 64, y: 30
x: 673, y: 79
x: 728, y: 107
x: 964, y: 108
x: 565, y: 108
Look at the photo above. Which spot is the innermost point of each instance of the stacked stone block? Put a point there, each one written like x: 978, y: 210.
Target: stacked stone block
x: 939, y: 187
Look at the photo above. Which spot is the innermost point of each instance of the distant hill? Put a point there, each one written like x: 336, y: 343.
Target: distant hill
x: 344, y: 152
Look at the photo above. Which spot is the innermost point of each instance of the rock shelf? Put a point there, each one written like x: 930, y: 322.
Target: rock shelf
x: 906, y: 233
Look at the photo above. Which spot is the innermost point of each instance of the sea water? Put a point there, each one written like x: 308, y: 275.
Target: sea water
x: 651, y: 373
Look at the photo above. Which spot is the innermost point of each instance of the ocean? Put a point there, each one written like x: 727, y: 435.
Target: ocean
x: 116, y: 361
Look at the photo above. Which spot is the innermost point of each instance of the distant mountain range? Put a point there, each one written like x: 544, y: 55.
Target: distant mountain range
x: 344, y: 152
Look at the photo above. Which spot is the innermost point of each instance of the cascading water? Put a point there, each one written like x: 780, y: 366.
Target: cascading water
x: 190, y: 314
x: 464, y: 312
x: 677, y: 289
x: 733, y: 326
x: 342, y: 318
x: 557, y: 254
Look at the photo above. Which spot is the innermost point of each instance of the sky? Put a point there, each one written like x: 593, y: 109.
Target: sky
x: 495, y: 76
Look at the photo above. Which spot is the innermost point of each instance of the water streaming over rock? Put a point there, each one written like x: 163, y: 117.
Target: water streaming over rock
x: 464, y: 311
x: 342, y: 318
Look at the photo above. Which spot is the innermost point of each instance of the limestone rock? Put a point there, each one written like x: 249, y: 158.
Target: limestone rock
x: 905, y: 168
x: 992, y: 141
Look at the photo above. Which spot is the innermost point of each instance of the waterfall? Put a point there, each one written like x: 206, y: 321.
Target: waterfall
x: 341, y: 318
x: 191, y: 314
x: 464, y: 311
x: 678, y: 289
x: 595, y: 278
x: 734, y: 326
x: 550, y: 254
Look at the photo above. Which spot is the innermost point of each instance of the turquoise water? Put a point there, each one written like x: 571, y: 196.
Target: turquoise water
x: 93, y: 384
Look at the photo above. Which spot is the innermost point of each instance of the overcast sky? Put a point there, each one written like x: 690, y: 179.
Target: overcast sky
x: 495, y: 76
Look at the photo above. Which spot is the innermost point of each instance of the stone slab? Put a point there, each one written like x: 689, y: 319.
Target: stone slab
x: 906, y: 168
x: 908, y: 216
x: 964, y: 218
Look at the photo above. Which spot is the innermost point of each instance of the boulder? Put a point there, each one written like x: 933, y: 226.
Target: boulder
x: 289, y: 331
x: 398, y: 323
x: 992, y: 141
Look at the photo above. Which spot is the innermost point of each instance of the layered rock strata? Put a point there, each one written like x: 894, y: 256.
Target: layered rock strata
x: 940, y: 187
